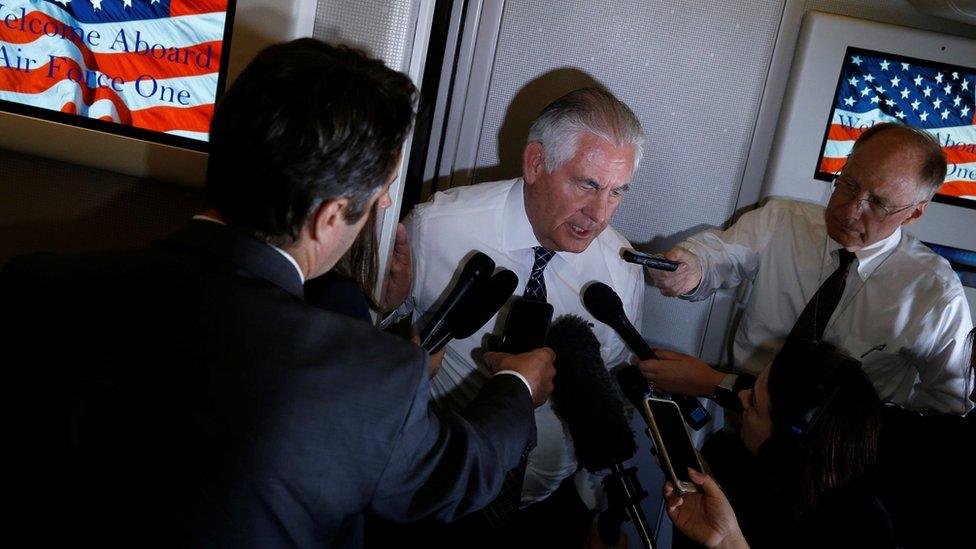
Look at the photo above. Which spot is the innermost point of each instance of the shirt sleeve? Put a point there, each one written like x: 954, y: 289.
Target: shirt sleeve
x: 732, y: 256
x: 945, y: 379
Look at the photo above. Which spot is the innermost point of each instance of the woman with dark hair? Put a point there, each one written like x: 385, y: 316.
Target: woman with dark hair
x: 811, y: 427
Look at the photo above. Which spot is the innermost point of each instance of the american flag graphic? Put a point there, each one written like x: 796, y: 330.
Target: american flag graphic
x: 150, y: 64
x: 941, y: 99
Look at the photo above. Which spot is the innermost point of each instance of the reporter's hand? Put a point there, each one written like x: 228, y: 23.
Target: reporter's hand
x: 684, y: 279
x: 436, y: 359
x: 680, y: 374
x: 397, y: 286
x: 535, y: 366
x: 706, y: 517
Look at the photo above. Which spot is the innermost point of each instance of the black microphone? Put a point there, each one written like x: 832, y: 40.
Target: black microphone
x: 605, y: 305
x: 585, y: 399
x: 475, y: 309
x: 478, y: 268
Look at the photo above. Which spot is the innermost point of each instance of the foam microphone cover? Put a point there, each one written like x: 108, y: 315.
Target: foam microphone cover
x: 584, y: 396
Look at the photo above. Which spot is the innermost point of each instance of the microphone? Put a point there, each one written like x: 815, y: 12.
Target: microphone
x: 475, y: 309
x: 584, y: 396
x: 478, y: 268
x: 585, y: 399
x: 605, y: 305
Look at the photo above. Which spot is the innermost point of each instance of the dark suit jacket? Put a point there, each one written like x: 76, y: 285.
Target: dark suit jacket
x: 208, y: 403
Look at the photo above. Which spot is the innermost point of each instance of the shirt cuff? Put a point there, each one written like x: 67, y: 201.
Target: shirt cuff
x: 518, y: 375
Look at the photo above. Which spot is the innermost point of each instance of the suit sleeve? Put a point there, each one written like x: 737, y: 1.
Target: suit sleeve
x: 445, y: 465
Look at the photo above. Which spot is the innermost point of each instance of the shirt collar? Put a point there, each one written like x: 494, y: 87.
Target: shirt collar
x: 870, y: 257
x: 286, y: 255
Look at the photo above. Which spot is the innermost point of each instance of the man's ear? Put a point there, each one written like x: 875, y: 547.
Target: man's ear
x: 916, y: 213
x: 327, y: 217
x: 533, y: 162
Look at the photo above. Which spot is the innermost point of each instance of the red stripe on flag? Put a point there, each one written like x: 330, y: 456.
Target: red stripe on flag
x: 193, y: 7
x: 965, y: 154
x: 958, y: 188
x: 844, y: 133
x: 194, y: 119
x: 832, y: 165
x: 36, y: 81
x: 69, y: 108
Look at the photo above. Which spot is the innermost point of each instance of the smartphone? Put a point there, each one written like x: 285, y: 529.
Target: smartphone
x: 526, y: 326
x: 674, y: 448
x: 648, y: 260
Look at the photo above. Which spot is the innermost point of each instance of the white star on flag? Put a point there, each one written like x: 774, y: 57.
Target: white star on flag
x: 965, y: 110
x: 875, y: 99
x: 126, y: 3
x: 948, y: 89
x: 96, y: 5
x: 955, y: 75
x: 927, y: 91
x: 856, y: 60
x: 956, y: 101
x: 904, y: 93
x: 937, y: 103
x: 965, y: 85
x: 849, y: 101
x: 900, y: 115
x: 868, y: 78
x: 918, y: 80
x: 945, y: 114
x: 879, y: 89
x: 853, y: 80
x: 904, y: 66
x: 915, y: 104
x: 938, y: 78
x: 923, y: 116
x: 884, y: 64
x: 865, y: 91
x: 895, y: 81
x: 63, y: 2
x: 890, y: 102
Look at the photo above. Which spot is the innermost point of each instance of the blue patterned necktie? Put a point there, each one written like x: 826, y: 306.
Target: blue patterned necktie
x: 535, y: 288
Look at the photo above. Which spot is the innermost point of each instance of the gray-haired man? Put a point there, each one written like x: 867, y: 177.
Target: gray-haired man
x: 552, y: 226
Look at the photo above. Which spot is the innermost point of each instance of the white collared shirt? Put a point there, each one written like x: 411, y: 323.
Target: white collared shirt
x: 491, y: 218
x: 903, y: 312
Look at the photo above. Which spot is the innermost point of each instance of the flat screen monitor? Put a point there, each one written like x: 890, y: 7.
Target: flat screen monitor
x: 940, y: 98
x: 146, y: 69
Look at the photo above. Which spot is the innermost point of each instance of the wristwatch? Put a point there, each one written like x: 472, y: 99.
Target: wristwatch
x: 727, y: 391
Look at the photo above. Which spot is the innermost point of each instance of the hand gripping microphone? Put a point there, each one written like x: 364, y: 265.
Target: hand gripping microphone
x: 475, y: 309
x: 605, y: 305
x: 585, y: 399
x: 476, y: 271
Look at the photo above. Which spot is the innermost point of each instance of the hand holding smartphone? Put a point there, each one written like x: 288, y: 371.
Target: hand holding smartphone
x: 673, y: 443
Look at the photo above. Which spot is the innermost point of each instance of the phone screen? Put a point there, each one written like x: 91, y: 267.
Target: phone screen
x: 526, y: 326
x: 674, y: 437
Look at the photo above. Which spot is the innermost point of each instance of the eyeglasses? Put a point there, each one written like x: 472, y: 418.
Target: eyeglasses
x: 848, y: 190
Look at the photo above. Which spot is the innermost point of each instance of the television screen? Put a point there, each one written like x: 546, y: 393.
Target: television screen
x: 881, y: 87
x: 150, y: 69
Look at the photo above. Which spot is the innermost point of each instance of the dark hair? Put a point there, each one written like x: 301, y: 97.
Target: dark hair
x: 360, y: 264
x: 826, y: 419
x: 932, y: 170
x: 305, y: 122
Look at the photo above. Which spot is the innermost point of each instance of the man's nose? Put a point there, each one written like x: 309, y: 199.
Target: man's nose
x: 597, y: 207
x: 853, y: 208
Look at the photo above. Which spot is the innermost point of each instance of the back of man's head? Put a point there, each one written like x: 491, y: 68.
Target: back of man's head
x: 913, y: 144
x: 593, y: 110
x: 305, y: 122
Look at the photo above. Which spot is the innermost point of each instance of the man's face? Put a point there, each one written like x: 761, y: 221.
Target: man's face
x: 882, y: 173
x: 571, y: 206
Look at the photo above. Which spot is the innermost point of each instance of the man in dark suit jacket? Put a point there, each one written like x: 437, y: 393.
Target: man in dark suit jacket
x: 208, y: 402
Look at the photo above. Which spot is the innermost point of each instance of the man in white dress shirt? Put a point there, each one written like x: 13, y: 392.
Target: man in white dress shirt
x: 901, y: 309
x: 577, y: 165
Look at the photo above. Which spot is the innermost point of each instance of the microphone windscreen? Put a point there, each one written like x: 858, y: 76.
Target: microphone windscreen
x: 603, y: 303
x: 585, y: 398
x: 473, y: 313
